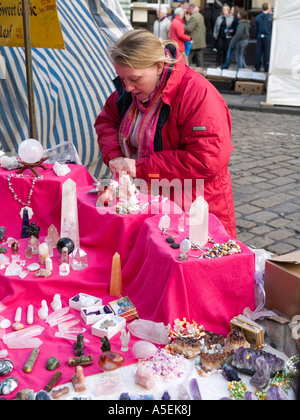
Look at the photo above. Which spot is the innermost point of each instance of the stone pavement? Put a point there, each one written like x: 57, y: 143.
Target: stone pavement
x: 265, y: 169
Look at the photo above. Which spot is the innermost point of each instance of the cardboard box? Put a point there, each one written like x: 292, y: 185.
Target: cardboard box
x: 92, y: 314
x: 108, y: 326
x: 83, y: 300
x: 282, y: 284
x: 250, y: 87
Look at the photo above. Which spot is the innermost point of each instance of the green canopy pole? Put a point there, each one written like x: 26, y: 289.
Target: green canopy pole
x: 29, y: 75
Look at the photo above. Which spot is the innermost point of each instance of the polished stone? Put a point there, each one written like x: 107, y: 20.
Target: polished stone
x: 8, y: 385
x: 6, y: 366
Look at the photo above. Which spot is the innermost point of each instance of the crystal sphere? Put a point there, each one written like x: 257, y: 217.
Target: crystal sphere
x: 65, y: 242
x: 30, y: 151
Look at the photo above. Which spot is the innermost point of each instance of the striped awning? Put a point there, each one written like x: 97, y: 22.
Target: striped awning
x: 71, y: 85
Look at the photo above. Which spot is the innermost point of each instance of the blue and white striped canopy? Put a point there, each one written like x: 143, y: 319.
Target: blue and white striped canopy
x: 71, y: 85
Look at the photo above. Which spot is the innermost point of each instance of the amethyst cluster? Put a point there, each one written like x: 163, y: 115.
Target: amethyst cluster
x: 244, y: 359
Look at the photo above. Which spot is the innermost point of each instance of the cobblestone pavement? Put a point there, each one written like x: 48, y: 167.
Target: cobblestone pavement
x: 265, y: 169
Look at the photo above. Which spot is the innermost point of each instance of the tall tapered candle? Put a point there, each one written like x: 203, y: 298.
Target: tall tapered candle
x: 116, y: 277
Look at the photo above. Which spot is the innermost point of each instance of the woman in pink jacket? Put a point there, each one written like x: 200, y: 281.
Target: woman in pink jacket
x: 164, y: 121
x: 177, y: 33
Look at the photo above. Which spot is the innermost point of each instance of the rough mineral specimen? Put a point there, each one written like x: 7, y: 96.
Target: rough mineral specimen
x: 189, y: 347
x: 261, y: 378
x: 276, y: 393
x: 144, y: 377
x: 151, y: 331
x: 245, y: 360
x: 235, y: 340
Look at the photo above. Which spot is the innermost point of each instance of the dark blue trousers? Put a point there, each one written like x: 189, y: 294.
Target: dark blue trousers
x: 263, y: 47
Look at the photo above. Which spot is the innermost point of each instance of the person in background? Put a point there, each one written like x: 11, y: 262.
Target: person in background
x: 178, y: 34
x: 222, y: 35
x: 161, y: 26
x: 184, y: 5
x: 165, y: 121
x: 195, y: 27
x: 232, y: 30
x: 241, y: 39
x: 263, y: 33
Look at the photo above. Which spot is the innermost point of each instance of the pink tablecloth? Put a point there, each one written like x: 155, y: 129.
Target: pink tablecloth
x: 210, y: 292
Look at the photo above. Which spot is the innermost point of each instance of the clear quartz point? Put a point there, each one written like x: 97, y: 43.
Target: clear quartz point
x: 78, y: 259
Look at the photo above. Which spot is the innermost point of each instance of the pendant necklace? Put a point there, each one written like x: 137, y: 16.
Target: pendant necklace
x: 27, y: 204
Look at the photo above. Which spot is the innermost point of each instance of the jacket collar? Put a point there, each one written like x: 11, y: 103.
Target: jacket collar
x: 176, y: 76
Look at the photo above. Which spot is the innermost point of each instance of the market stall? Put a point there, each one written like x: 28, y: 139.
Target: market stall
x: 161, y: 287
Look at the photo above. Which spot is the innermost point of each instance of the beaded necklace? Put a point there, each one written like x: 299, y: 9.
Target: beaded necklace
x: 27, y: 204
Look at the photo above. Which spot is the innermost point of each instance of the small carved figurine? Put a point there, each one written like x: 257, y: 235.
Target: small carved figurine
x: 105, y: 344
x: 34, y: 230
x: 78, y: 379
x: 125, y: 337
x: 78, y: 346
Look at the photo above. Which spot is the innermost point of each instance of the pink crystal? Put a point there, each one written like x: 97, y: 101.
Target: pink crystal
x: 151, y: 331
x: 28, y: 343
x: 144, y: 349
x: 144, y: 377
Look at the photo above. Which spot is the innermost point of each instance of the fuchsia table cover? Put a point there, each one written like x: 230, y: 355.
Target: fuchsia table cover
x: 210, y: 292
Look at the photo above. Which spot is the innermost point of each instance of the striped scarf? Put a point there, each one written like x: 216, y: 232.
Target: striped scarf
x: 147, y: 128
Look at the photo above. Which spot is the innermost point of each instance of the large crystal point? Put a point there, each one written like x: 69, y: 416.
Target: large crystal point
x: 69, y: 213
x: 198, y: 222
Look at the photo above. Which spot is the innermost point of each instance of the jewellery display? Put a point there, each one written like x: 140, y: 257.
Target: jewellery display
x: 27, y: 203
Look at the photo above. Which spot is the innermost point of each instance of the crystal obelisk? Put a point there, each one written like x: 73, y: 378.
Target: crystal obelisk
x: 198, y: 222
x: 116, y: 276
x: 69, y: 213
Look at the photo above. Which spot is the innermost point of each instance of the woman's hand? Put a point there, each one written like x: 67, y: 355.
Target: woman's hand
x: 114, y: 163
x: 124, y: 165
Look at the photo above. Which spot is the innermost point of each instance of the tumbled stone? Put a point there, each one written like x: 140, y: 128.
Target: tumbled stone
x: 52, y: 363
x: 6, y: 366
x: 8, y: 385
x: 110, y: 360
x: 42, y: 396
x: 25, y: 394
x: 144, y: 349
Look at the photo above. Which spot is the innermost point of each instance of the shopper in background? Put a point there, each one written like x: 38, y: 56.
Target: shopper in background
x: 222, y: 34
x: 162, y: 24
x: 195, y: 27
x: 232, y: 30
x: 177, y: 33
x: 263, y: 33
x: 241, y: 39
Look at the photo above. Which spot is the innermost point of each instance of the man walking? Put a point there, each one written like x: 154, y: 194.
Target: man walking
x: 263, y: 33
x: 195, y: 27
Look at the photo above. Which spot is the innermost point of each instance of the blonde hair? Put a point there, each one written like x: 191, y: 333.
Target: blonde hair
x: 139, y: 48
x: 225, y: 6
